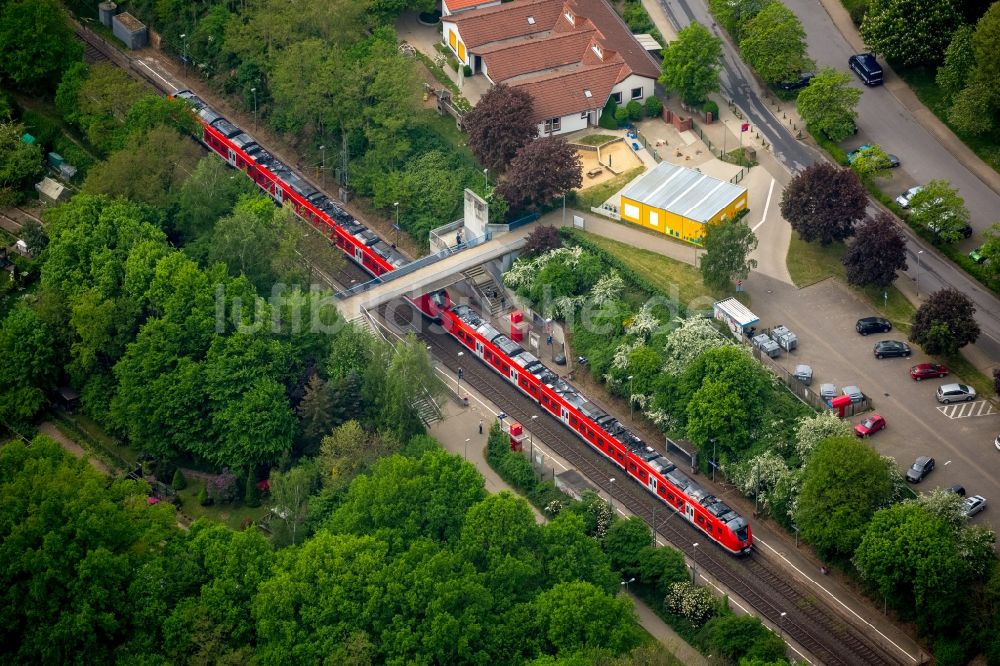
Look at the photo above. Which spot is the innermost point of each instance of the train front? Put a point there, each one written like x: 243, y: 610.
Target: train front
x: 740, y: 533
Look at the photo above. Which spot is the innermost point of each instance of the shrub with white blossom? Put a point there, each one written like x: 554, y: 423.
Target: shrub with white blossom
x: 813, y: 430
x: 643, y: 323
x: 524, y: 271
x: 608, y: 288
x: 690, y: 601
x: 694, y: 336
x: 762, y: 472
x: 625, y: 349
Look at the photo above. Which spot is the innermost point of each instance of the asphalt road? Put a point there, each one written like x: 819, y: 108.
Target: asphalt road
x: 884, y: 120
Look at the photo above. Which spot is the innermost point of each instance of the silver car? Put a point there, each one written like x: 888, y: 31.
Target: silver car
x: 904, y: 199
x: 854, y: 393
x: 949, y: 393
x: 973, y: 505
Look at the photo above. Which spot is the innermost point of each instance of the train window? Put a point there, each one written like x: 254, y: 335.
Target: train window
x: 621, y: 457
x: 631, y: 466
x: 572, y: 421
x: 701, y: 520
x: 670, y: 496
x: 505, y: 368
x: 545, y: 399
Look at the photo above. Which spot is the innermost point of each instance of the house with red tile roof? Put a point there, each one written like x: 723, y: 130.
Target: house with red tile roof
x: 449, y: 7
x: 570, y: 55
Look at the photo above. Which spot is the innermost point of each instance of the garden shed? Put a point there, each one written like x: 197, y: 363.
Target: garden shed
x: 679, y: 202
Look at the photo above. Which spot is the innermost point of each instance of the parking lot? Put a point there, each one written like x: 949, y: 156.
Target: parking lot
x: 960, y: 437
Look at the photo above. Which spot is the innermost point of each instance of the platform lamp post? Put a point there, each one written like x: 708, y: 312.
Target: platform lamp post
x: 396, y: 226
x: 486, y: 177
x: 185, y: 38
x: 564, y: 207
x: 254, y: 91
x: 626, y: 582
x: 694, y: 563
x: 531, y: 438
x: 781, y: 621
x: 611, y: 496
x: 322, y: 168
x: 467, y: 448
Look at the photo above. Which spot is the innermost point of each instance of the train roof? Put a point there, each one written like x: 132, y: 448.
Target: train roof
x: 366, y: 236
x: 243, y: 141
x: 545, y: 376
x: 526, y: 360
x: 661, y: 464
x: 207, y: 115
x: 468, y: 315
x: 488, y: 332
x: 592, y: 411
x: 227, y: 129
x: 353, y: 227
x: 389, y: 253
x: 507, y: 346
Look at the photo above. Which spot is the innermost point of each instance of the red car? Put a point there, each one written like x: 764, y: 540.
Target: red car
x: 928, y: 371
x: 869, y: 426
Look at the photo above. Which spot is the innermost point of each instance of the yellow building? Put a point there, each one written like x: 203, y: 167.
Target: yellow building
x: 679, y: 202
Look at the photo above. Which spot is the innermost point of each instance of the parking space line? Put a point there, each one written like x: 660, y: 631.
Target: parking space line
x: 968, y: 409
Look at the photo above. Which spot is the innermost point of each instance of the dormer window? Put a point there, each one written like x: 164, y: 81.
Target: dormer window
x: 598, y: 51
x: 587, y: 93
x: 531, y: 20
x: 569, y: 17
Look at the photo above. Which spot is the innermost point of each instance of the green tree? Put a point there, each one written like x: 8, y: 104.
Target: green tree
x: 37, y: 43
x: 33, y: 234
x: 568, y: 554
x: 577, y: 615
x: 29, y: 368
x: 735, y: 14
x: 972, y: 109
x: 774, y: 43
x: 661, y: 567
x: 316, y: 410
x: 871, y: 162
x: 248, y: 240
x: 210, y: 192
x: 691, y: 64
x: 290, y: 492
x: 945, y: 323
x: 20, y: 162
x: 608, y: 119
x: 72, y: 540
x: 990, y: 249
x: 910, y: 32
x: 541, y: 171
x: 625, y: 542
x: 939, y: 209
x: 428, y: 190
x: 844, y: 484
x: 823, y: 202
x: 744, y: 640
x: 910, y: 557
x: 829, y: 104
x: 876, y: 253
x: 985, y: 42
x: 97, y: 100
x: 500, y: 125
x: 728, y: 245
x: 959, y: 61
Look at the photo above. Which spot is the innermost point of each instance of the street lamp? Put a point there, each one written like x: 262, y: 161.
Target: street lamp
x: 694, y: 562
x: 467, y: 449
x: 631, y: 410
x: 626, y: 582
x: 531, y: 437
x: 611, y: 497
x: 781, y: 621
x: 486, y: 176
x: 322, y: 150
x: 396, y: 227
x: 185, y: 38
x: 919, y: 252
x: 254, y: 91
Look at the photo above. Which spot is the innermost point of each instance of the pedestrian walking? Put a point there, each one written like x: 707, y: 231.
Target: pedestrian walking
x: 480, y: 426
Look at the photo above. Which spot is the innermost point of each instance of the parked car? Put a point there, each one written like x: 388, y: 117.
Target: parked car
x: 867, y: 68
x: 853, y: 155
x: 869, y: 426
x: 829, y: 392
x: 919, y: 469
x: 949, y: 393
x: 854, y: 393
x: 868, y: 325
x: 957, y: 489
x: 974, y: 505
x: 906, y: 197
x: 801, y: 82
x: 997, y: 443
x: 928, y: 371
x: 803, y: 373
x: 891, y: 348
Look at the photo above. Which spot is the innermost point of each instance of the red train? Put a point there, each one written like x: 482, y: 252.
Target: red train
x: 603, y: 432
x: 239, y: 149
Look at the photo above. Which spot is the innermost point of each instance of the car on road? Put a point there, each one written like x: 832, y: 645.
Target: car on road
x: 928, y: 371
x: 949, y: 393
x: 869, y: 426
x: 891, y: 348
x: 853, y: 155
x: 854, y: 393
x: 866, y: 67
x: 795, y: 84
x: 906, y: 197
x: 974, y: 505
x: 957, y: 489
x: 920, y: 469
x: 997, y: 443
x: 868, y: 325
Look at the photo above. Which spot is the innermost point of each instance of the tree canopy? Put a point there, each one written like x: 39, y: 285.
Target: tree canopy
x: 37, y: 43
x: 823, y: 203
x: 692, y: 62
x: 876, y: 253
x: 945, y: 323
x: 774, y: 43
x: 910, y: 32
x: 728, y: 245
x: 499, y: 126
x: 939, y: 209
x: 541, y: 171
x: 828, y: 104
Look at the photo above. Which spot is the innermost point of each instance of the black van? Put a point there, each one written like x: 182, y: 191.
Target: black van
x: 867, y: 68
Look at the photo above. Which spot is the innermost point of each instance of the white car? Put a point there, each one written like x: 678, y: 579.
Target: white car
x: 973, y: 505
x: 907, y: 196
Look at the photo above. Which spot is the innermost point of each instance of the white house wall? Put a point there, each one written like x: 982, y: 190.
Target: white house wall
x: 570, y: 123
x: 634, y: 81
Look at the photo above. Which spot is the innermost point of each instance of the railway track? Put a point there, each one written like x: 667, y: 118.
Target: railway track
x: 802, y: 617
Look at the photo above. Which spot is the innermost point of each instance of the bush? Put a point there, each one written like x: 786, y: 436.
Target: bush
x: 690, y: 601
x: 203, y: 498
x: 467, y: 70
x: 654, y: 107
x: 607, y: 120
x: 251, y: 497
x: 621, y: 116
x: 178, y: 482
x: 518, y: 472
x: 634, y: 110
x: 711, y: 107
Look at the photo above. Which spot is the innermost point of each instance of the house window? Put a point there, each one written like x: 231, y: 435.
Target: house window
x: 617, y: 97
x: 553, y: 125
x: 585, y: 115
x: 636, y: 93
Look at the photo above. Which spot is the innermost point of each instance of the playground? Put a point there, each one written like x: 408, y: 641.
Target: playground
x: 604, y: 162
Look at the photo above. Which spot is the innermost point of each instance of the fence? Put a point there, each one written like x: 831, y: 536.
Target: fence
x: 645, y: 144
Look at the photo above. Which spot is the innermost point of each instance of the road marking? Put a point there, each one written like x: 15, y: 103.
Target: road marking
x: 758, y: 540
x: 155, y: 73
x: 965, y: 410
x: 767, y: 204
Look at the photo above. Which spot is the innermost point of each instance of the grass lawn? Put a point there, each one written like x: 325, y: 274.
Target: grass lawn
x: 592, y: 197
x: 596, y: 139
x: 663, y: 272
x: 808, y: 263
x: 232, y: 515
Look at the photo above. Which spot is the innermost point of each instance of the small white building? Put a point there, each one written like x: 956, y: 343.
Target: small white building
x: 51, y: 192
x: 570, y: 55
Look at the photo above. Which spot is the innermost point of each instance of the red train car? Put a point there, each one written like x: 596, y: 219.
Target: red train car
x: 658, y: 475
x: 286, y: 187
